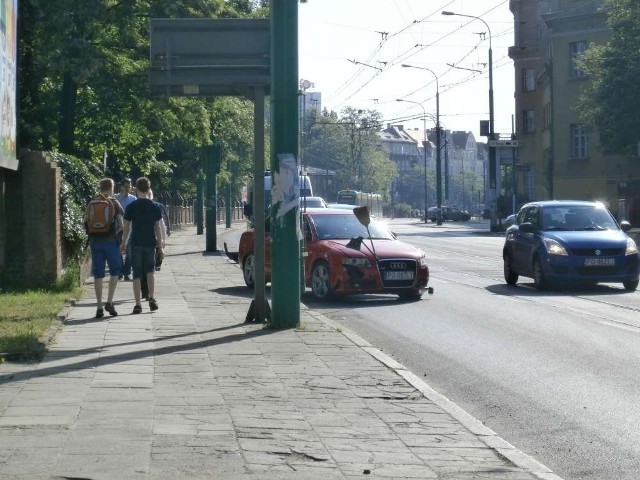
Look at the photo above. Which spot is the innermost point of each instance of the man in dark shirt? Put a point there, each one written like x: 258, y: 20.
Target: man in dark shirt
x: 143, y: 219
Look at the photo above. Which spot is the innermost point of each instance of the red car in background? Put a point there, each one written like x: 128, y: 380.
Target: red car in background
x: 343, y: 257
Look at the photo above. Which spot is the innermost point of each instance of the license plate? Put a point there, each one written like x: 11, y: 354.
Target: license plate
x: 599, y: 262
x: 398, y: 275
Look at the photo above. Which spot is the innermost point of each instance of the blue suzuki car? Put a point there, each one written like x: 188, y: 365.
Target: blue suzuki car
x: 570, y: 242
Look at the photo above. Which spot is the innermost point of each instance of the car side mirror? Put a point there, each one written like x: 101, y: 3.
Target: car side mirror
x: 247, y: 210
x: 625, y: 225
x: 527, y: 227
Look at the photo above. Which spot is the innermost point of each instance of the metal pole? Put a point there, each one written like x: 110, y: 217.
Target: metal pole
x: 259, y: 292
x: 493, y: 167
x: 438, y: 159
x: 438, y: 154
x: 213, y: 157
x: 285, y: 245
x: 424, y: 145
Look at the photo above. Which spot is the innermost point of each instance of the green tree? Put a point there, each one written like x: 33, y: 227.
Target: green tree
x: 349, y: 145
x: 610, y: 101
x: 84, y: 88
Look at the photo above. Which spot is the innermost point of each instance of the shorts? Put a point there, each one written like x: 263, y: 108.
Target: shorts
x: 143, y: 260
x: 105, y: 252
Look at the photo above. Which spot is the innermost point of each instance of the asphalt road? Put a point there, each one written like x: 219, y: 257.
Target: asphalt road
x: 557, y: 374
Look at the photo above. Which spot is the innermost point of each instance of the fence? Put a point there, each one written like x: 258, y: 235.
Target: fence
x: 182, y: 210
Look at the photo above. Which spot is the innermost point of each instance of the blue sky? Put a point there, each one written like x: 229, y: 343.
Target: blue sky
x: 352, y: 51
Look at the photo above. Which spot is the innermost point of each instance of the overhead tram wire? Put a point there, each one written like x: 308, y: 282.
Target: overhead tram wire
x: 377, y: 50
x: 403, y: 56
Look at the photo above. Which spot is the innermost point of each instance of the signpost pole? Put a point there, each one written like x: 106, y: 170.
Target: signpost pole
x: 212, y: 158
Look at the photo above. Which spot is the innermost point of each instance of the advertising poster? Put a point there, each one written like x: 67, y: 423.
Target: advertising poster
x: 8, y: 66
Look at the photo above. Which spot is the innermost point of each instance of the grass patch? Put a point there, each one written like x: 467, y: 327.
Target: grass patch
x: 27, y: 315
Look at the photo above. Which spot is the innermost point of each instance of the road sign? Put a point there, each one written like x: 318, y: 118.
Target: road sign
x: 194, y: 56
x: 504, y: 143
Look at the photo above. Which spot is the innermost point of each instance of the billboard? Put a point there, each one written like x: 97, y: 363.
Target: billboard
x: 8, y: 87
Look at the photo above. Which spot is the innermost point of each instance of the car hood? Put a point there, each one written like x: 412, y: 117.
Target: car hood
x: 383, y: 248
x: 590, y: 238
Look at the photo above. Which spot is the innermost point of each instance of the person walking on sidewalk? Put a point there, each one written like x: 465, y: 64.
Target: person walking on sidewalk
x: 142, y: 228
x: 125, y: 197
x: 164, y: 228
x: 103, y: 223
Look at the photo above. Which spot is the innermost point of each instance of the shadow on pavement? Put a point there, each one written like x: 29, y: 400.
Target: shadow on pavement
x: 528, y: 290
x: 237, y: 291
x: 128, y: 356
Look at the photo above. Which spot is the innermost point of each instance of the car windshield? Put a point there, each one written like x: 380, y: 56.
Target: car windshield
x: 580, y: 217
x: 347, y: 226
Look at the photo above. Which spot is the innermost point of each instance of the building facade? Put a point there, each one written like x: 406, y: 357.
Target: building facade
x: 559, y: 155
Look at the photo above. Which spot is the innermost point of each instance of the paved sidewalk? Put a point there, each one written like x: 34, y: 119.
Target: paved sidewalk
x: 190, y: 391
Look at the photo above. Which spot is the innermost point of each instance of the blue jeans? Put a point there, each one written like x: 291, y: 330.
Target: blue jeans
x: 105, y: 252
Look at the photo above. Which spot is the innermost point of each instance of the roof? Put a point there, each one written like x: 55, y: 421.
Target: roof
x: 562, y: 203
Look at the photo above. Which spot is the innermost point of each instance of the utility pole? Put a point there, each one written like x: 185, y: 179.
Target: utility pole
x: 286, y: 251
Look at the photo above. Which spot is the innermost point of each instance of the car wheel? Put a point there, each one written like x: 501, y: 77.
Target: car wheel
x: 630, y: 286
x: 411, y: 294
x: 538, y: 275
x: 249, y: 270
x: 320, y: 281
x: 510, y: 276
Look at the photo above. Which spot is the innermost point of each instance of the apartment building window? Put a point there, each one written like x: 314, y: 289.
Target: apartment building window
x: 579, y: 142
x: 528, y: 80
x: 529, y: 121
x: 577, y: 49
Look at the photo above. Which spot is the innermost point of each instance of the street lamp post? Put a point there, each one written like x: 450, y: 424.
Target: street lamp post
x: 438, y: 156
x: 424, y: 146
x: 492, y: 149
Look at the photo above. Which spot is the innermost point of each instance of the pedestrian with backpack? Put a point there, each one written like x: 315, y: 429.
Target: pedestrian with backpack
x: 103, y: 221
x: 142, y: 227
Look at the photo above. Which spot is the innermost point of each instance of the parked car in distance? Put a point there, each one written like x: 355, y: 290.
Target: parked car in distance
x: 448, y: 213
x: 570, y: 242
x: 341, y: 258
x: 312, y: 202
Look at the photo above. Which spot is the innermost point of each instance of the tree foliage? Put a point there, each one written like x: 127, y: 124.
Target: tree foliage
x: 610, y: 101
x: 348, y: 144
x: 84, y: 89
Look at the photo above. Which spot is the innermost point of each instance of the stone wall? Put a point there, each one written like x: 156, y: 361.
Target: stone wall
x: 33, y: 251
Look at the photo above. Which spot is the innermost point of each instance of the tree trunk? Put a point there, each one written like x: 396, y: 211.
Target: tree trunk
x: 66, y: 137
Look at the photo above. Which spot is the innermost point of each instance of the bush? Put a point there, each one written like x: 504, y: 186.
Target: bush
x: 402, y: 210
x: 79, y: 183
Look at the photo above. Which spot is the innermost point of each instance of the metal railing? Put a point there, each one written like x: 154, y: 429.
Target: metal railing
x: 182, y: 210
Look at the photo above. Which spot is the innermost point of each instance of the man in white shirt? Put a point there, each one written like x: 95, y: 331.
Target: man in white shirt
x: 125, y: 197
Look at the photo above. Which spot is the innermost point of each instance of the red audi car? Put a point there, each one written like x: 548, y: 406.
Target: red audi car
x: 344, y: 258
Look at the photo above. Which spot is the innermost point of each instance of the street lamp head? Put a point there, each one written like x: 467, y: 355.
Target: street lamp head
x: 406, y: 66
x: 399, y: 100
x: 444, y: 12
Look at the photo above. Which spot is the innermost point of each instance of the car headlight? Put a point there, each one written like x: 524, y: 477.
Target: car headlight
x: 553, y: 247
x: 632, y: 248
x: 422, y: 261
x: 356, y: 262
